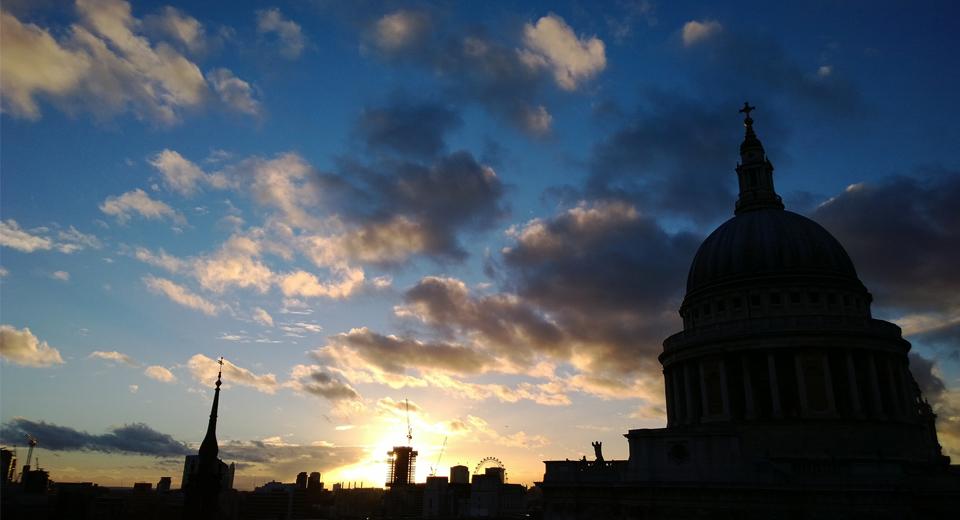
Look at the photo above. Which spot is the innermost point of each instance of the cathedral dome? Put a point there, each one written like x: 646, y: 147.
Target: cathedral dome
x: 768, y: 241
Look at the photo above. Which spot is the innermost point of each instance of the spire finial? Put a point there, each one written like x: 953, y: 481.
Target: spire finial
x: 220, y: 372
x: 747, y: 120
x: 754, y: 172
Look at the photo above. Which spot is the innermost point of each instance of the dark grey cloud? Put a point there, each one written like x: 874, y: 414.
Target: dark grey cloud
x: 451, y: 194
x: 945, y: 337
x: 391, y: 406
x: 510, y: 326
x: 605, y: 256
x: 903, y: 234
x: 411, y: 128
x: 471, y: 64
x: 396, y: 354
x: 598, y: 280
x: 137, y: 438
x: 675, y: 156
x: 930, y: 383
x: 325, y: 385
x: 945, y: 402
x: 748, y: 62
x: 271, y: 455
x: 610, y: 277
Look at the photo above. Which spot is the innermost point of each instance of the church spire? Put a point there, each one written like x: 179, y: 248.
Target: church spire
x: 208, y: 448
x: 754, y: 172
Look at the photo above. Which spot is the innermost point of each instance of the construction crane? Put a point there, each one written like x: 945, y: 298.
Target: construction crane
x: 433, y: 469
x: 406, y: 403
x: 32, y: 442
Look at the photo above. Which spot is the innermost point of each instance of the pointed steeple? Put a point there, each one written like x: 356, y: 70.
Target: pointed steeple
x: 754, y: 171
x: 208, y: 448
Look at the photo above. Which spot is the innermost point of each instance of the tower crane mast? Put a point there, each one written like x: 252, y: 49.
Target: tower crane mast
x: 433, y: 470
x: 32, y: 442
x: 406, y: 403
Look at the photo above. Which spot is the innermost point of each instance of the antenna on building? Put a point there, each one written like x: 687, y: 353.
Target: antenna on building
x: 406, y: 403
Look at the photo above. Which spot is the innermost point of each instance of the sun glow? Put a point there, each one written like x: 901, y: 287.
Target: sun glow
x: 380, y: 438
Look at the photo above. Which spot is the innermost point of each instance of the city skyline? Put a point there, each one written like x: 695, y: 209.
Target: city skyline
x: 487, y: 211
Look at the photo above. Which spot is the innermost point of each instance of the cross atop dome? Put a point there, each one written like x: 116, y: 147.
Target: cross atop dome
x: 755, y: 173
x: 750, y: 137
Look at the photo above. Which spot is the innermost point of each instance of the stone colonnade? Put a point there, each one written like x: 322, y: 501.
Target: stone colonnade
x: 809, y: 383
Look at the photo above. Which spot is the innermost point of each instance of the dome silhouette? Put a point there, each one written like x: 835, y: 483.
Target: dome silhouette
x: 767, y: 242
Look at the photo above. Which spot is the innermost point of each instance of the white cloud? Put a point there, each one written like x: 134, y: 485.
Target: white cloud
x: 824, y: 71
x: 237, y: 263
x: 63, y: 276
x: 289, y: 34
x: 3, y: 271
x: 101, y: 64
x: 204, y: 370
x: 233, y: 91
x: 159, y: 373
x: 32, y: 63
x: 179, y: 27
x: 537, y: 120
x: 179, y: 294
x: 178, y: 173
x: 113, y: 355
x: 552, y: 43
x: 72, y: 240
x: 282, y: 183
x: 20, y: 346
x: 263, y: 317
x: 397, y: 30
x: 302, y: 283
x: 477, y: 428
x: 137, y: 201
x: 134, y: 388
x: 68, y: 241
x: 382, y: 282
x: 391, y: 241
x: 161, y: 259
x: 695, y: 31
x: 11, y: 235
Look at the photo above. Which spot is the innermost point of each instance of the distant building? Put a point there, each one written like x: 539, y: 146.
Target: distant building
x: 8, y: 466
x: 314, y: 483
x: 357, y: 503
x: 785, y: 398
x: 436, y: 503
x: 163, y: 486
x: 491, y: 497
x: 274, y: 500
x: 190, y: 465
x: 401, y: 466
x: 404, y: 501
x: 459, y: 475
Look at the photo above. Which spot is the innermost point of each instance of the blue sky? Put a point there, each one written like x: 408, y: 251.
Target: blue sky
x: 358, y: 205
